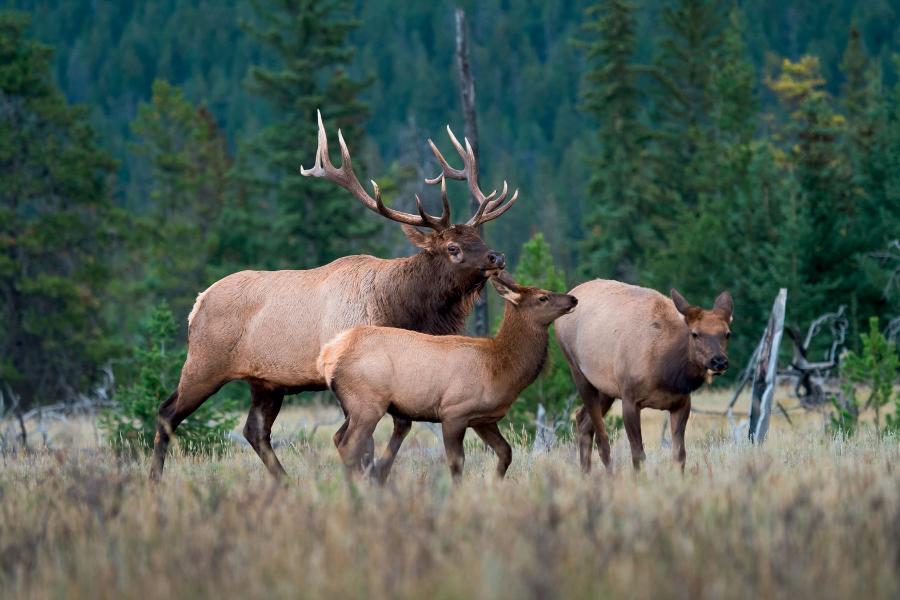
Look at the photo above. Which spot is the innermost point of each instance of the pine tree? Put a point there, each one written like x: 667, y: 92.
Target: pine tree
x: 315, y: 221
x: 186, y: 163
x: 57, y: 224
x: 622, y: 224
x: 685, y: 73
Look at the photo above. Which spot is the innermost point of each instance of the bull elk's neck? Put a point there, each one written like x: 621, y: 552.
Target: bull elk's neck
x: 425, y: 295
x: 519, y: 349
x: 681, y: 374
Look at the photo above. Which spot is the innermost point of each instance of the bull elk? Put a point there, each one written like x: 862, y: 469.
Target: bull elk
x: 457, y: 381
x: 633, y: 343
x: 267, y: 327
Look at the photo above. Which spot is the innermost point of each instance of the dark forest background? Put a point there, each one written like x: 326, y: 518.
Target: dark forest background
x: 148, y: 148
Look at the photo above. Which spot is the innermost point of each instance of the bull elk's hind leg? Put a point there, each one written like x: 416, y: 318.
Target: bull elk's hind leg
x: 258, y: 429
x: 191, y: 393
x: 384, y: 464
x: 492, y: 437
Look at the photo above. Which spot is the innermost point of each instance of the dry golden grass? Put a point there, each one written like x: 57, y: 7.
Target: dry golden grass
x: 802, y: 516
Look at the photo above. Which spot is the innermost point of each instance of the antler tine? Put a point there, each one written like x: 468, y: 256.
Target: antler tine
x: 491, y: 215
x: 346, y: 178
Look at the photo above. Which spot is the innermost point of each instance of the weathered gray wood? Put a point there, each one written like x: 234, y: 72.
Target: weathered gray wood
x: 467, y: 99
x: 763, y: 388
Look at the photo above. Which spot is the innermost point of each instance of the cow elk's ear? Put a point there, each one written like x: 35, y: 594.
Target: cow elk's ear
x: 725, y: 305
x: 682, y: 305
x: 505, y: 292
x: 416, y: 237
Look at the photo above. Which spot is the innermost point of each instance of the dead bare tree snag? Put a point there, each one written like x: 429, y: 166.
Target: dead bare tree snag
x: 763, y: 388
x: 467, y: 99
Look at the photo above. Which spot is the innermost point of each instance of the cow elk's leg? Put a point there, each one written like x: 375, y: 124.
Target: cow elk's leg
x: 585, y: 427
x: 597, y: 410
x: 383, y: 466
x: 454, y: 433
x: 258, y: 429
x: 492, y: 437
x: 586, y: 423
x: 179, y: 406
x: 631, y: 415
x: 678, y: 423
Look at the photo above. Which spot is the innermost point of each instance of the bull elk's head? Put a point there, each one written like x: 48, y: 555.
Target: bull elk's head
x: 459, y: 245
x: 709, y: 331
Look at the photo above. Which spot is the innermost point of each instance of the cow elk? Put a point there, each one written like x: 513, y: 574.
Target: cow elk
x: 457, y: 381
x: 267, y: 327
x: 633, y: 343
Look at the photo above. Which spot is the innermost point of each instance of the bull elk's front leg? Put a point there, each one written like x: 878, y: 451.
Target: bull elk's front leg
x: 678, y: 419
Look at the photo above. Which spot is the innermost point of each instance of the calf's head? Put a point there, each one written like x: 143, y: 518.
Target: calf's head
x: 708, y: 331
x: 538, y: 306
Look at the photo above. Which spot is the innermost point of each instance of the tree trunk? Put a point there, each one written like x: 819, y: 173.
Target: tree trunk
x: 467, y: 98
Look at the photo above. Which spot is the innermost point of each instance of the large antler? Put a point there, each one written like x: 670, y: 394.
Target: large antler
x: 346, y: 178
x: 489, y: 207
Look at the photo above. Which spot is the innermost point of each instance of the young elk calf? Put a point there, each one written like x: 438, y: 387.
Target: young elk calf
x: 635, y: 344
x: 457, y: 381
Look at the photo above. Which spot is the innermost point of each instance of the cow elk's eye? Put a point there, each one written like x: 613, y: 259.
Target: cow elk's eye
x: 695, y: 335
x: 543, y: 299
x: 727, y: 334
x: 453, y: 249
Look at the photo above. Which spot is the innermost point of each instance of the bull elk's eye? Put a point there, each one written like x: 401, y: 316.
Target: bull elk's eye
x: 543, y: 299
x: 453, y: 249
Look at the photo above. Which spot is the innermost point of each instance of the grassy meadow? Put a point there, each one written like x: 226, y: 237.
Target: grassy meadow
x: 801, y: 516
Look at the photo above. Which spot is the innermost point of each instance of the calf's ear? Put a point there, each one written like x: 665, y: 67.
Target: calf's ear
x: 725, y: 305
x: 505, y: 292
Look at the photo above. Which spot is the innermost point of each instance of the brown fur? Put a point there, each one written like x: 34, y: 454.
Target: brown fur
x: 635, y: 344
x: 457, y: 381
x: 267, y: 327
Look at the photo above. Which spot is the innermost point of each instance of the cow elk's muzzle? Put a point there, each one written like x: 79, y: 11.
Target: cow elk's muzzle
x: 718, y: 364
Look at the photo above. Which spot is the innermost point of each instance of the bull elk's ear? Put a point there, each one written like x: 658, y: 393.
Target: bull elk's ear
x: 508, y: 294
x: 418, y: 239
x: 725, y: 305
x: 682, y: 305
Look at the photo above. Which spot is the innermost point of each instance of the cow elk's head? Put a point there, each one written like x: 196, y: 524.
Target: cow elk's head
x: 540, y: 306
x: 460, y: 246
x: 709, y: 331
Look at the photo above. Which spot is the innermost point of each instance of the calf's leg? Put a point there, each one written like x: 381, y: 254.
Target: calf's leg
x: 492, y: 437
x: 454, y: 433
x: 384, y: 464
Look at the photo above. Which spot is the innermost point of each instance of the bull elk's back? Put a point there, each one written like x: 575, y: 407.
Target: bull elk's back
x: 617, y: 332
x: 272, y: 324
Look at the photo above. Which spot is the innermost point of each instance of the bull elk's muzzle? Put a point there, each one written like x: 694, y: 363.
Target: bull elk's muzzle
x: 495, y: 261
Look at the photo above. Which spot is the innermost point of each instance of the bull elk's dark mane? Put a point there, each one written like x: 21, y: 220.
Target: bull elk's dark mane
x: 428, y: 296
